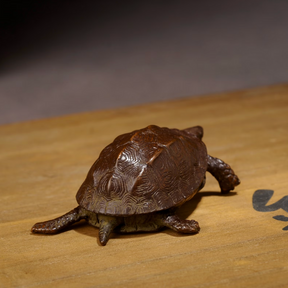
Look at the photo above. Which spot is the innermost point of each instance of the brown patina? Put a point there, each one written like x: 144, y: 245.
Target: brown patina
x: 140, y: 178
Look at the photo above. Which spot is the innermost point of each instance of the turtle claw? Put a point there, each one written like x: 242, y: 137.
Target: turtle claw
x: 47, y: 227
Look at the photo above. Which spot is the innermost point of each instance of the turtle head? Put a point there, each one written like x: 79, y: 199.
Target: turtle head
x: 195, y: 131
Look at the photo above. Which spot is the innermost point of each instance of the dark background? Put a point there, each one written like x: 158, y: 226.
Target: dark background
x: 60, y: 57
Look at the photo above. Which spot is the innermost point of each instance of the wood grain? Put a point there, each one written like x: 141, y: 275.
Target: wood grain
x: 44, y: 162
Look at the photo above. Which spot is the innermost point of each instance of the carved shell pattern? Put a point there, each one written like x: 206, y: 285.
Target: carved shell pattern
x: 144, y: 171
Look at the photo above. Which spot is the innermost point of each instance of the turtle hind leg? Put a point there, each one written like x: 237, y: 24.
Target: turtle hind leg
x: 223, y: 173
x: 177, y: 224
x: 106, y: 226
x: 58, y: 224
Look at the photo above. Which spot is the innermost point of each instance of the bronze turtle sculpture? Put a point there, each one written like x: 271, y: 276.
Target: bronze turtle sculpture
x: 140, y: 178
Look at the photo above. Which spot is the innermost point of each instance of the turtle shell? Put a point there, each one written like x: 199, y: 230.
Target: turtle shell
x: 144, y: 171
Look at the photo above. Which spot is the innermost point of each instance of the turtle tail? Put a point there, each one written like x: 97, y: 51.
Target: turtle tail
x: 58, y: 224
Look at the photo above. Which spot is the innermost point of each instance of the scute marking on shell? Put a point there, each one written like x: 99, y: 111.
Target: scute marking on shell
x: 157, y: 158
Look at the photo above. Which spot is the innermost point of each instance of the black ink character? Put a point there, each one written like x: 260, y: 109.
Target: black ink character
x: 261, y: 198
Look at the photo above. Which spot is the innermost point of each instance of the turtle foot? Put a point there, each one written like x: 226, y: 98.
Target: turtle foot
x: 56, y: 225
x: 224, y: 174
x: 182, y: 226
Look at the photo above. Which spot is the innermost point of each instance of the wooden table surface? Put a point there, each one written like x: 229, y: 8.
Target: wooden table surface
x: 44, y: 162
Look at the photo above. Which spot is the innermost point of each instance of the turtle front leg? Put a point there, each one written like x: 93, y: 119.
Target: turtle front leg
x: 56, y: 225
x: 223, y: 173
x: 177, y: 224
